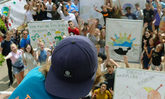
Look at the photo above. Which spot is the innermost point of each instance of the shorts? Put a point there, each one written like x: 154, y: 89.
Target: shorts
x: 153, y: 67
x: 17, y: 70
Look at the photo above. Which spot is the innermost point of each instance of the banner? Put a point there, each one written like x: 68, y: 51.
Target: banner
x: 87, y: 9
x: 124, y: 37
x: 47, y: 31
x: 17, y: 13
x: 131, y: 3
x: 139, y: 84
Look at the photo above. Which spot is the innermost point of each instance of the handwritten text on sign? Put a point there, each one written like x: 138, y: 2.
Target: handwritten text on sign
x: 139, y: 84
x: 47, y: 31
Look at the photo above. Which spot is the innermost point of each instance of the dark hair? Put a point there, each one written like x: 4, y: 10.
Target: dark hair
x: 109, y: 65
x: 69, y: 21
x: 102, y: 7
x: 31, y: 49
x: 85, y: 24
x: 128, y: 8
x: 106, y: 83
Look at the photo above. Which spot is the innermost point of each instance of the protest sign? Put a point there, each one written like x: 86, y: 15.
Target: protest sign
x: 17, y: 13
x: 139, y: 84
x: 124, y: 37
x: 47, y: 31
x: 131, y: 3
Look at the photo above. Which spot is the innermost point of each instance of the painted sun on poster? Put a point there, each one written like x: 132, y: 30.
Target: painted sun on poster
x: 124, y: 38
x: 139, y: 84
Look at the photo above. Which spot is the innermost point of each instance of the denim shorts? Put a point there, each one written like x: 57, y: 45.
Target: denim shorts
x: 18, y: 70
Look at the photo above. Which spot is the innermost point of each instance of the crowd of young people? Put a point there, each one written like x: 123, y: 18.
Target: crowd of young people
x: 20, y: 55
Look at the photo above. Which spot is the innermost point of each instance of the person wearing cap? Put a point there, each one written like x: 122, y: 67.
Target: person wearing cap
x: 71, y: 75
x: 129, y: 14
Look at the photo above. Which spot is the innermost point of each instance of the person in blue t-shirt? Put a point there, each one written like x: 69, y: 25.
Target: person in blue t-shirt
x: 71, y: 7
x: 25, y: 40
x: 64, y: 77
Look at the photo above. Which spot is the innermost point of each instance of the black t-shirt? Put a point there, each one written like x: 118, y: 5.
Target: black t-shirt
x: 6, y: 47
x: 107, y: 14
x: 156, y: 58
x: 131, y: 16
x: 148, y: 15
x: 55, y: 15
x: 41, y: 15
x: 110, y: 79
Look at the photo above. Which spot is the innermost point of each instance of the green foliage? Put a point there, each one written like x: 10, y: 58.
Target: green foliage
x: 2, y: 59
x: 2, y: 25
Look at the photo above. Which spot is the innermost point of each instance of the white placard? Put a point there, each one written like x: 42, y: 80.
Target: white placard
x: 139, y: 84
x: 17, y: 13
x: 124, y: 37
x: 47, y: 31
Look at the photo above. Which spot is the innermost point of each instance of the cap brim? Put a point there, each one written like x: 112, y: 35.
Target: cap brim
x: 59, y: 88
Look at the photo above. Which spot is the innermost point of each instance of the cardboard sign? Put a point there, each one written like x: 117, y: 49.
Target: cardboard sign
x: 124, y: 37
x: 139, y: 84
x: 47, y: 31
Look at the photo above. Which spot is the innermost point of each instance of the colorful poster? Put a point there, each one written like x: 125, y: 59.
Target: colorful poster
x: 5, y: 11
x: 50, y: 32
x: 139, y: 84
x: 124, y: 37
x: 17, y: 13
x: 87, y: 9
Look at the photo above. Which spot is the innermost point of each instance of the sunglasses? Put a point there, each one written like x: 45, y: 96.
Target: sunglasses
x: 24, y: 34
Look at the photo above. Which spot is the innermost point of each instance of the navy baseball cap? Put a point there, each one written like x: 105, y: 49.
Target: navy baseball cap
x: 73, y: 68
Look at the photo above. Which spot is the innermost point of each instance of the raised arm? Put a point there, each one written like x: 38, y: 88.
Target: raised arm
x: 95, y: 8
x: 144, y: 28
x: 8, y: 56
x: 126, y: 61
x: 158, y: 7
x: 60, y: 11
x: 92, y: 26
x: 108, y: 57
x: 148, y: 54
x: 151, y: 6
x: 111, y: 3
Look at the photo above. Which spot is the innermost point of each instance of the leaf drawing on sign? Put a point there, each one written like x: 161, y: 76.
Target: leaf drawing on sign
x: 62, y: 33
x: 122, y: 42
x: 37, y: 35
x: 33, y: 38
x: 49, y: 34
x: 58, y: 39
